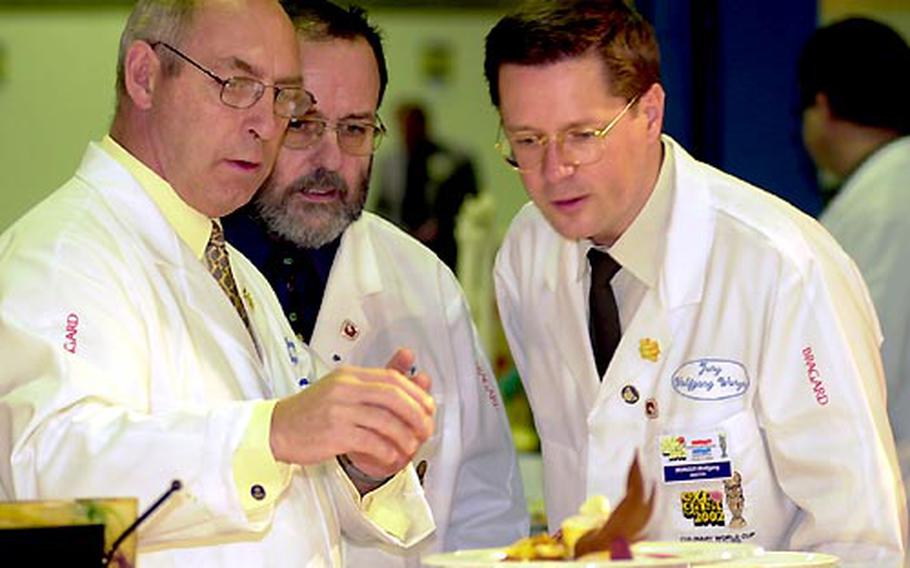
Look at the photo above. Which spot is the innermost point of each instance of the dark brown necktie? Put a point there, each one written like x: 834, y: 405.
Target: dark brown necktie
x: 216, y: 259
x: 603, y: 324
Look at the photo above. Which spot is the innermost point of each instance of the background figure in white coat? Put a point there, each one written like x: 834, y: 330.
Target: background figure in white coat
x: 127, y: 365
x: 744, y: 365
x: 355, y: 286
x: 854, y: 79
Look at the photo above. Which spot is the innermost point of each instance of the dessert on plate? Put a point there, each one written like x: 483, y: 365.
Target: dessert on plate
x: 596, y: 531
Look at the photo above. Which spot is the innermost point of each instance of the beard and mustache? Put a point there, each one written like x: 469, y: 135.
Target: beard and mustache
x: 311, y: 225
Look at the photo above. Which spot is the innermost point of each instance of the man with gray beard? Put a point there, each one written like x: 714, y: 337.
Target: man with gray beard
x: 325, y: 222
x: 355, y: 287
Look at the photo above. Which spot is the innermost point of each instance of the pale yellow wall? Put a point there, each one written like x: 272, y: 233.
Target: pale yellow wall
x: 460, y: 112
x: 57, y: 94
x: 895, y: 13
x: 57, y: 73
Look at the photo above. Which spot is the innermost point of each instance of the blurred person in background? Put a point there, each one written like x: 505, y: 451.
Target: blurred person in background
x: 658, y: 307
x: 854, y: 83
x: 355, y: 286
x: 139, y: 348
x: 423, y: 184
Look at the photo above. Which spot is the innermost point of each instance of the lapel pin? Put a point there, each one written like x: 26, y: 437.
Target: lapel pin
x: 649, y: 349
x: 248, y: 300
x: 629, y: 394
x: 349, y: 330
x: 651, y: 410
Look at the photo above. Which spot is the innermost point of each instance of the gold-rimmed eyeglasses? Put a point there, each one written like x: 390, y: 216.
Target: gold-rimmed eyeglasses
x: 580, y: 146
x: 244, y: 92
x: 355, y: 137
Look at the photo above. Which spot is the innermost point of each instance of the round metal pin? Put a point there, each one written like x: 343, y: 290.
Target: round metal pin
x: 629, y: 394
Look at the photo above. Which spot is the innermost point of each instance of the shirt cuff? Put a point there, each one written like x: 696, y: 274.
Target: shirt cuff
x: 387, y: 512
x: 259, y: 478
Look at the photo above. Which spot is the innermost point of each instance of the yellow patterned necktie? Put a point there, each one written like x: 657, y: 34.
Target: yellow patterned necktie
x: 216, y: 258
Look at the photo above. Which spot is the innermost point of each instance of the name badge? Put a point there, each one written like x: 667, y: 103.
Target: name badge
x: 695, y: 457
x: 711, y: 379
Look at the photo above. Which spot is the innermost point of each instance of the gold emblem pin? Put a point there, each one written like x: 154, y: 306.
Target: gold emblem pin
x: 248, y: 300
x: 649, y: 349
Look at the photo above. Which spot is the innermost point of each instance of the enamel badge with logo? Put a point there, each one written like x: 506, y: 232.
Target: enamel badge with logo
x: 695, y: 457
x: 651, y: 410
x: 649, y: 349
x: 349, y: 330
x: 703, y: 507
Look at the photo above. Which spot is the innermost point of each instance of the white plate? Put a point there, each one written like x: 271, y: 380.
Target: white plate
x: 769, y: 559
x: 666, y: 554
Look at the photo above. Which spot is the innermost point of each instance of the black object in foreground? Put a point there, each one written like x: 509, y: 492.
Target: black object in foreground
x: 176, y: 485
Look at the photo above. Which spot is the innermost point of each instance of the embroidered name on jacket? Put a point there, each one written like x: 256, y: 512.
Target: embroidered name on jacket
x: 491, y: 391
x: 815, y: 377
x: 72, y: 328
x: 711, y: 379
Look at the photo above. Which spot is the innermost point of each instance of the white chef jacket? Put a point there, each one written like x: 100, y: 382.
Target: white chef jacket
x: 386, y: 290
x: 125, y: 366
x: 870, y: 218
x: 748, y: 378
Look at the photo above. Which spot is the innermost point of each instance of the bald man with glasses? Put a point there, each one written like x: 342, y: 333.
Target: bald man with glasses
x: 139, y: 348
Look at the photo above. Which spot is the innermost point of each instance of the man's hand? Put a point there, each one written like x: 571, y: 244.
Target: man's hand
x: 378, y: 417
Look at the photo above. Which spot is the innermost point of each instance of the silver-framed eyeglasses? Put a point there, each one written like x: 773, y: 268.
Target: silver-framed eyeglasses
x: 244, y: 92
x: 356, y: 137
x: 580, y: 146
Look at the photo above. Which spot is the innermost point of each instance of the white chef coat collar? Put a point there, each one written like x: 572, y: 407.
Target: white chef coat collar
x: 640, y: 249
x: 880, y: 155
x: 191, y: 226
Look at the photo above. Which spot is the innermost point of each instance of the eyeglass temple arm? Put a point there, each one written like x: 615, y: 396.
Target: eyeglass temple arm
x: 186, y: 58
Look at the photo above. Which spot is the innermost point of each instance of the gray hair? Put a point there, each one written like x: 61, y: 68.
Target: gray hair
x: 155, y: 20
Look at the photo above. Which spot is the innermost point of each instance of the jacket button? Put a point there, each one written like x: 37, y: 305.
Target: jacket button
x: 257, y: 492
x: 421, y: 470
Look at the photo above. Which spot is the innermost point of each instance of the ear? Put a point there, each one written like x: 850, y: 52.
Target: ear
x: 141, y: 69
x: 651, y: 103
